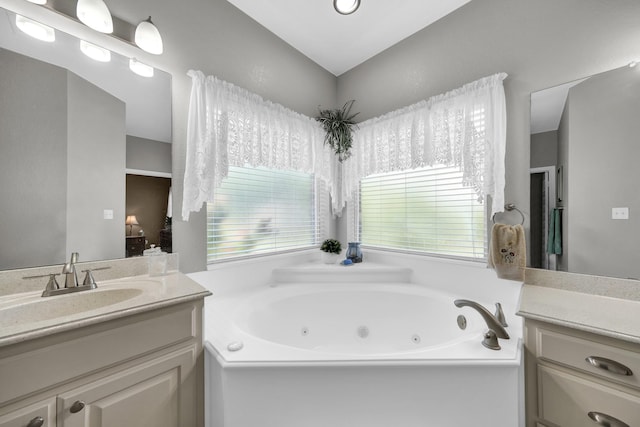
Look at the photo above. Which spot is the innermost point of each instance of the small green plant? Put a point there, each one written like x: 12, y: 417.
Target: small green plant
x: 338, y: 125
x: 331, y: 246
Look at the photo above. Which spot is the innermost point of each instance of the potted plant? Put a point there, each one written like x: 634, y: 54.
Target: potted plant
x: 331, y: 249
x: 339, y: 125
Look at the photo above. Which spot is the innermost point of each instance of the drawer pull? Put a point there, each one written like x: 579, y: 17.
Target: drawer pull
x: 36, y: 422
x: 77, y: 406
x: 606, y: 420
x: 609, y: 365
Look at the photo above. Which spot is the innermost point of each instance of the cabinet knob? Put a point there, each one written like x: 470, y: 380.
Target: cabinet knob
x: 609, y: 365
x: 606, y: 420
x: 36, y: 422
x: 77, y: 406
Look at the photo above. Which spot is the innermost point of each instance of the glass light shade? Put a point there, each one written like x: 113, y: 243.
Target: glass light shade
x: 35, y: 29
x: 95, y: 52
x: 346, y: 7
x: 95, y: 14
x: 148, y: 37
x: 140, y: 69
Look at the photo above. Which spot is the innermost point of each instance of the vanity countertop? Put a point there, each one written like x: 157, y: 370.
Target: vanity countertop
x: 27, y: 315
x: 605, y: 315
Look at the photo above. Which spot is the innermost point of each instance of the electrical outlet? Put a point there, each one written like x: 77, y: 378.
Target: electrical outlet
x: 108, y: 214
x: 619, y: 213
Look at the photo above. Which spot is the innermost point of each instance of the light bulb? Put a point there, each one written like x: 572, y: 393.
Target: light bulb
x: 148, y: 37
x: 346, y: 7
x: 35, y: 29
x: 95, y: 14
x: 140, y: 69
x: 95, y: 52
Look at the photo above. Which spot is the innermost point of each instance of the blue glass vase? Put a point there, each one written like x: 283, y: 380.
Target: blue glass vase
x: 354, y: 253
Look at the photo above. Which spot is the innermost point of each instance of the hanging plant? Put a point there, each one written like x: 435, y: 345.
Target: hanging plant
x: 339, y: 124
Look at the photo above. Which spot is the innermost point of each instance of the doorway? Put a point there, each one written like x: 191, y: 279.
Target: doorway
x: 542, y: 200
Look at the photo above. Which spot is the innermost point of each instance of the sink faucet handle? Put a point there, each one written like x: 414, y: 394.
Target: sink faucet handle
x: 52, y: 284
x: 500, y: 315
x: 89, y: 279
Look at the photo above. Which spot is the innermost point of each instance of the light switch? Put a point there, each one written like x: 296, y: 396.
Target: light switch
x: 619, y: 213
x: 108, y: 214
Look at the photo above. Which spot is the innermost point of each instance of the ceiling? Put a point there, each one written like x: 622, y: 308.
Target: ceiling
x: 547, y: 106
x: 340, y: 42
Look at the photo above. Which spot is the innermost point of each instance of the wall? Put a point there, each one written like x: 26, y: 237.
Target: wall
x: 544, y: 149
x: 216, y: 38
x: 603, y: 151
x: 32, y: 83
x: 538, y: 43
x: 95, y: 172
x: 148, y: 155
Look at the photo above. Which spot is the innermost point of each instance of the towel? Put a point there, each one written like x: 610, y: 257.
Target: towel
x: 554, y: 243
x: 508, y: 251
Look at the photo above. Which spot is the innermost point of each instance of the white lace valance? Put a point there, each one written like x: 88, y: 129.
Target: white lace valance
x: 465, y: 127
x: 230, y: 126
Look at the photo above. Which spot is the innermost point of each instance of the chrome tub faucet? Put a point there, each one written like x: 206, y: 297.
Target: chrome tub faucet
x: 496, y: 323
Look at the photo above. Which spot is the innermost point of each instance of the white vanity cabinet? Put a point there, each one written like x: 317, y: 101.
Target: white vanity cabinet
x: 576, y: 378
x: 138, y: 370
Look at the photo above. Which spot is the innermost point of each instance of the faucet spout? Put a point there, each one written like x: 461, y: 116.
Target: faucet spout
x: 69, y: 271
x: 492, y: 322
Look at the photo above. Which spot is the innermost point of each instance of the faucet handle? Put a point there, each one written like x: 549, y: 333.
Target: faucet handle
x: 88, y: 278
x: 52, y: 284
x: 500, y: 315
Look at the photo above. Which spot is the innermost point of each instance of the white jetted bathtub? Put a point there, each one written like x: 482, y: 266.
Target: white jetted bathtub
x: 356, y: 355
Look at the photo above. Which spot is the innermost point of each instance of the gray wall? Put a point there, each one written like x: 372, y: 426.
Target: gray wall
x: 544, y: 149
x: 538, y: 43
x: 148, y: 155
x: 603, y: 153
x: 216, y: 38
x: 95, y: 173
x: 33, y: 162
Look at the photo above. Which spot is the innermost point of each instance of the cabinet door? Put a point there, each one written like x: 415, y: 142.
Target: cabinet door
x: 40, y: 414
x: 144, y: 396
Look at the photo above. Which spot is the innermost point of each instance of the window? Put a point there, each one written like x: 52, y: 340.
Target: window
x: 260, y: 211
x: 425, y: 210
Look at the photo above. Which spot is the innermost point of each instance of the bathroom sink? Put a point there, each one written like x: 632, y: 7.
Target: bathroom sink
x: 49, y: 308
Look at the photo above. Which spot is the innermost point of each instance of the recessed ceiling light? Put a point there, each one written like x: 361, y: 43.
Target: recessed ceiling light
x: 346, y: 7
x: 38, y: 1
x: 632, y: 64
x: 35, y: 29
x: 95, y: 52
x: 140, y: 69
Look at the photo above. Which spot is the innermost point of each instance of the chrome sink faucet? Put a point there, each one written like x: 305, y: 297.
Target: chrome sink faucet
x: 494, y: 323
x: 70, y: 273
x: 71, y: 283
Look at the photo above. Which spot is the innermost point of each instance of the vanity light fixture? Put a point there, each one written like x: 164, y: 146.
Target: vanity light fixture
x: 346, y: 7
x: 148, y: 38
x: 131, y: 221
x: 95, y: 52
x: 140, y: 69
x: 35, y: 29
x: 95, y: 14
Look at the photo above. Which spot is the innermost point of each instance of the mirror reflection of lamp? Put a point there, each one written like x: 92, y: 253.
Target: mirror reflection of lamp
x: 131, y: 221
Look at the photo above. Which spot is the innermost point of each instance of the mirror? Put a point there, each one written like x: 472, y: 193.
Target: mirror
x: 68, y: 126
x: 584, y: 163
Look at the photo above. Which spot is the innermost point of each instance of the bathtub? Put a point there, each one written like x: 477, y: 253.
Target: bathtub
x: 314, y: 354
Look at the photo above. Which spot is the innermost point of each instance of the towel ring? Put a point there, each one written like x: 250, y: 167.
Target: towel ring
x: 509, y: 207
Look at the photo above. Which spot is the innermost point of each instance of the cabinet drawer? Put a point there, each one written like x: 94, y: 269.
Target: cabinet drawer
x: 566, y: 400
x: 29, y: 415
x: 573, y: 351
x: 58, y: 359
